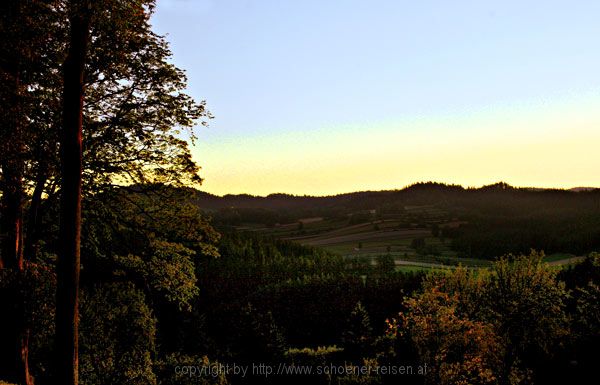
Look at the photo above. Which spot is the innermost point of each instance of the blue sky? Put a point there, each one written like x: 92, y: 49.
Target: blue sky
x: 310, y: 96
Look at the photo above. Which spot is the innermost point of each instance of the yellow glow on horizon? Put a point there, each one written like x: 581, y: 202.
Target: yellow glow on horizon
x: 544, y: 146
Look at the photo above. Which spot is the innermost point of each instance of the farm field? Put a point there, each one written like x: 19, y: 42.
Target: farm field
x: 393, y: 236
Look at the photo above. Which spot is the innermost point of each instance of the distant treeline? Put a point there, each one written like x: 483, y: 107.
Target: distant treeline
x: 417, y: 194
x: 495, y: 219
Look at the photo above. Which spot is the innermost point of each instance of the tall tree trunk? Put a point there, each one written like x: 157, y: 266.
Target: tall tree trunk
x: 13, y: 149
x: 33, y: 228
x: 15, y: 338
x: 67, y: 293
x: 12, y: 213
x: 17, y: 346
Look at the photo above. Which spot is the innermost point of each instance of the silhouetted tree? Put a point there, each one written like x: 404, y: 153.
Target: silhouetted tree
x: 68, y: 265
x: 358, y: 337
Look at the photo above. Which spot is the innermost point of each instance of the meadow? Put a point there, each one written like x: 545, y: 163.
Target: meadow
x: 413, y: 246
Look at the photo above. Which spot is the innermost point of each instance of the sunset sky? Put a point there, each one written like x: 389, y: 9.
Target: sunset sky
x: 321, y: 97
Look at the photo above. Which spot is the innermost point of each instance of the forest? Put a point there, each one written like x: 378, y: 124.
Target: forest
x: 116, y: 269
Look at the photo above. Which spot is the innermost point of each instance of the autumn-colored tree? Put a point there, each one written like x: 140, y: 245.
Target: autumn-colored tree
x: 457, y: 350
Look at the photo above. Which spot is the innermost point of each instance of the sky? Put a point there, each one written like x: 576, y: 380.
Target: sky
x: 323, y: 97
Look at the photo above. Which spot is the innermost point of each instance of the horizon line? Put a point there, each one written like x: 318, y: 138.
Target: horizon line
x: 571, y: 189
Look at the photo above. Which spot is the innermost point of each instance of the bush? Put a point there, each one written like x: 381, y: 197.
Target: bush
x: 169, y: 372
x: 117, y: 334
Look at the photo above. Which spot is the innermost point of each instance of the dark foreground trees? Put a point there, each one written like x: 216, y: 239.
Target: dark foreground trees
x: 516, y: 323
x: 56, y: 149
x: 23, y: 27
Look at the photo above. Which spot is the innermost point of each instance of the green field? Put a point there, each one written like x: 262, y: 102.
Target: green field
x: 390, y: 236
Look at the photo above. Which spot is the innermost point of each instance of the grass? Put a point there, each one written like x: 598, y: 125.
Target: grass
x: 557, y: 257
x: 412, y: 269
